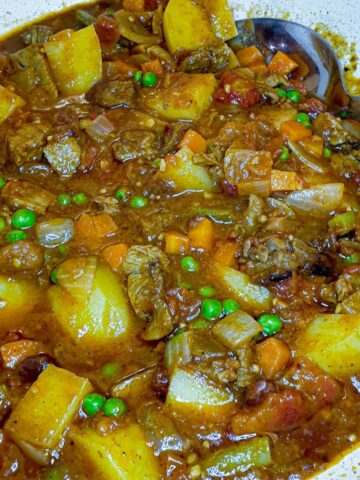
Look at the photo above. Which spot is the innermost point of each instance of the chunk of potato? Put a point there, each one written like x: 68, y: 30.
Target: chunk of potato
x: 187, y: 26
x: 333, y: 342
x: 221, y: 18
x: 9, y: 102
x: 193, y: 395
x: 104, y: 317
x: 182, y: 96
x: 252, y: 298
x: 185, y: 175
x: 39, y: 420
x: 120, y: 455
x: 75, y: 60
x: 18, y: 298
x: 278, y: 115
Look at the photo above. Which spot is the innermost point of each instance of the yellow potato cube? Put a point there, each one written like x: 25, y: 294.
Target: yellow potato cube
x: 333, y: 342
x: 183, y: 96
x: 119, y: 455
x: 9, y: 102
x: 187, y: 26
x: 18, y: 298
x: 183, y: 174
x: 75, y: 60
x: 39, y: 420
x: 221, y: 18
x: 106, y: 317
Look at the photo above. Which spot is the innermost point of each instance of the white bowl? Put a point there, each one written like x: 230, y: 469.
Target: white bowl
x: 338, y: 16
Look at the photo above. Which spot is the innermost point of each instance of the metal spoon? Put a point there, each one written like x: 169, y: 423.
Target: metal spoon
x: 325, y: 70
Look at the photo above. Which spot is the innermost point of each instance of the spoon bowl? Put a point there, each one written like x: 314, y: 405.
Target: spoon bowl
x: 325, y: 71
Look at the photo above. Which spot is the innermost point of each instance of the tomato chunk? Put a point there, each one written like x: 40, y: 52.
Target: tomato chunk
x: 237, y: 90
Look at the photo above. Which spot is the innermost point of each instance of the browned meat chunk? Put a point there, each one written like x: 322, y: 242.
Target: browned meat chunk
x: 22, y: 194
x: 27, y: 142
x: 136, y: 144
x: 114, y: 94
x: 23, y: 255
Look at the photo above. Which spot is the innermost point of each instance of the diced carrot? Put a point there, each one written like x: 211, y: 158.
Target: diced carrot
x: 14, y: 352
x: 201, y: 235
x: 104, y: 225
x: 258, y: 67
x: 134, y: 5
x: 284, y: 181
x: 115, y: 255
x: 249, y: 55
x: 303, y: 69
x: 295, y: 131
x: 153, y: 66
x: 194, y: 141
x: 282, y: 63
x: 92, y: 229
x: 176, y: 243
x: 225, y: 253
x: 313, y: 145
x: 273, y: 356
x: 119, y: 66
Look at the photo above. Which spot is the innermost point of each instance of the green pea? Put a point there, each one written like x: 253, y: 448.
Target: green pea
x: 114, y: 407
x: 2, y: 182
x: 110, y: 369
x: 149, y: 79
x: 138, y: 76
x: 53, y: 474
x: 189, y: 264
x: 293, y: 96
x: 284, y: 153
x: 121, y: 194
x: 302, y: 117
x: 307, y: 124
x: 15, y: 236
x: 2, y: 224
x: 230, y: 306
x: 211, y: 308
x: 207, y: 291
x: 23, y: 219
x: 79, y: 198
x: 156, y: 163
x: 271, y: 323
x: 93, y: 403
x: 186, y: 285
x: 53, y: 276
x: 64, y: 200
x: 352, y: 259
x: 281, y: 92
x: 138, y: 202
x: 327, y: 152
x: 345, y: 114
x: 200, y: 324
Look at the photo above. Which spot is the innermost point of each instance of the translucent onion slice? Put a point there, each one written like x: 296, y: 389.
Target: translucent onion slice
x: 100, y: 129
x: 236, y: 330
x: 317, y: 201
x: 55, y: 232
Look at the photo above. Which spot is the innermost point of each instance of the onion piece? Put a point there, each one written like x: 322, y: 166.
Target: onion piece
x: 317, y: 201
x: 76, y: 276
x: 236, y: 330
x: 100, y: 129
x: 237, y: 459
x: 308, y: 160
x: 55, y: 232
x: 134, y: 31
x: 161, y: 430
x: 178, y: 350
